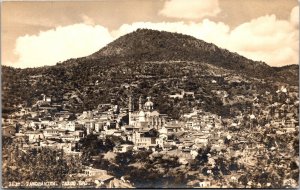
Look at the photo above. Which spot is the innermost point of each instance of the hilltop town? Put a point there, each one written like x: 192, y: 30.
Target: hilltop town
x: 177, y: 113
x: 258, y: 147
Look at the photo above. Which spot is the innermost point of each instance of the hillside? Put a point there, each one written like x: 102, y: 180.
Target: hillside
x: 289, y: 74
x: 153, y: 63
x: 152, y: 45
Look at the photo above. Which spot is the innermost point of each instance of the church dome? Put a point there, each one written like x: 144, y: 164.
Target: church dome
x: 149, y: 104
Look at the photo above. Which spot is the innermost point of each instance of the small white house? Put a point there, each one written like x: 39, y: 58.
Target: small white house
x: 204, y: 184
x: 123, y: 148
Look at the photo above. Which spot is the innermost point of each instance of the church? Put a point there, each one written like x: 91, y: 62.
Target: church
x: 145, y: 116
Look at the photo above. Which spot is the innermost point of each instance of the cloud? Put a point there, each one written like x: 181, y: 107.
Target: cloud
x: 294, y: 18
x: 265, y: 39
x: 268, y: 39
x: 59, y: 44
x: 192, y: 9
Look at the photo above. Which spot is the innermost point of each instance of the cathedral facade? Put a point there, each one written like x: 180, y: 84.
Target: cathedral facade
x: 145, y: 116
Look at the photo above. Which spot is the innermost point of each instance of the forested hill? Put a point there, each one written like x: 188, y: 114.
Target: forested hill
x: 151, y: 62
x: 152, y: 45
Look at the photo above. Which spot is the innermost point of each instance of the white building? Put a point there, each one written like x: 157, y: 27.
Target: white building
x: 123, y: 148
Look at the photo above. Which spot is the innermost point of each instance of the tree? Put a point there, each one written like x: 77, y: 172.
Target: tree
x: 38, y: 165
x: 202, y: 155
x: 244, y: 180
x: 124, y: 159
x: 92, y: 146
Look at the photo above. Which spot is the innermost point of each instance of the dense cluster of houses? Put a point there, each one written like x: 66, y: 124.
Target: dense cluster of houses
x: 47, y: 124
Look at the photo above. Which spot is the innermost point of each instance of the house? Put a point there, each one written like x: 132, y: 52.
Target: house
x: 182, y: 94
x: 140, y: 140
x: 289, y: 182
x: 47, y: 143
x: 97, y: 176
x: 189, y: 94
x: 67, y: 147
x: 35, y: 125
x: 167, y: 147
x: 193, y: 124
x: 34, y: 136
x: 89, y: 171
x: 289, y: 130
x: 189, y: 115
x: 189, y: 124
x: 47, y: 123
x: 20, y: 138
x: 194, y: 153
x: 68, y: 138
x: 89, y: 125
x: 49, y: 132
x: 125, y: 85
x: 129, y: 128
x: 70, y: 126
x: 23, y: 111
x: 123, y: 148
x: 204, y: 184
x: 118, y: 133
x: 122, y: 183
x: 173, y: 128
x: 99, y: 126
x: 201, y: 139
x: 79, y: 133
x: 163, y: 133
x: 67, y: 126
x: 177, y: 95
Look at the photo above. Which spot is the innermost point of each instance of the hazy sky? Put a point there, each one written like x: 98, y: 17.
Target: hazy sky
x: 44, y: 33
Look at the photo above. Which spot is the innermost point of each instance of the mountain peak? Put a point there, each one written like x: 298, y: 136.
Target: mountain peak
x: 148, y: 41
x: 154, y: 45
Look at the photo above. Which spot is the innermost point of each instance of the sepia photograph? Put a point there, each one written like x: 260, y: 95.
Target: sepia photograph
x: 157, y: 94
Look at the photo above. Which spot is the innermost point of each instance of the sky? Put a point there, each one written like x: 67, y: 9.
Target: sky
x: 39, y: 33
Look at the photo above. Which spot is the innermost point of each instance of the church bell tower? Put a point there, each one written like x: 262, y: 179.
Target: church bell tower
x: 140, y: 104
x: 130, y: 109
